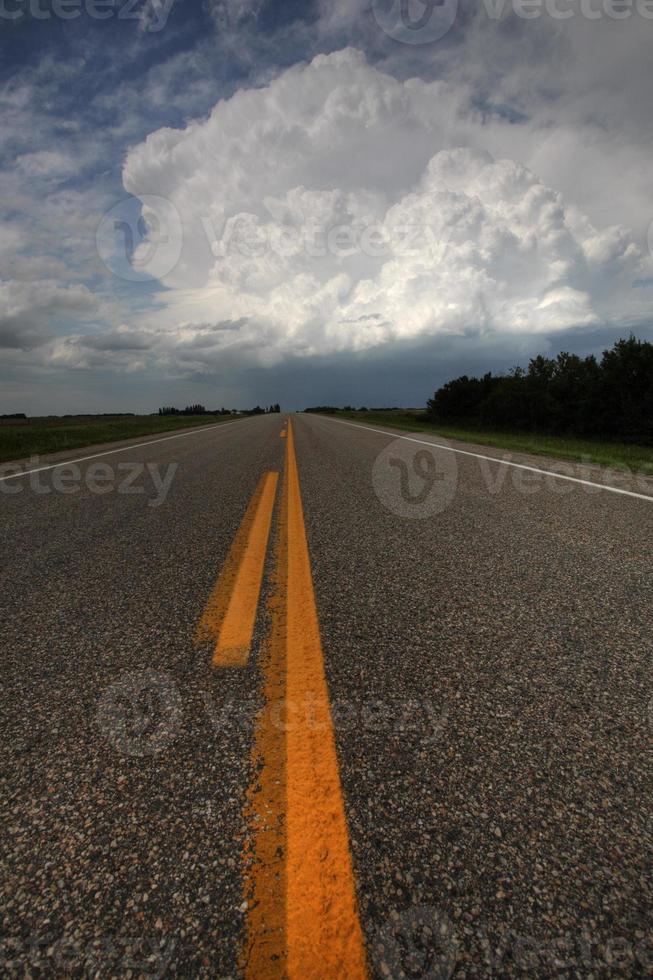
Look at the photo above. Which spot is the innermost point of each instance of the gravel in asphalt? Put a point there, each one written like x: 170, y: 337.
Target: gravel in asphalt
x: 493, y: 667
x: 488, y: 654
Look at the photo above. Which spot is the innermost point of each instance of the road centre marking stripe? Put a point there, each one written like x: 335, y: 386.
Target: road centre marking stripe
x: 493, y: 459
x: 302, y: 918
x: 230, y: 613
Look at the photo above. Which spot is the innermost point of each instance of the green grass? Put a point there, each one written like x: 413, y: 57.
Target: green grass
x: 38, y: 437
x: 613, y: 454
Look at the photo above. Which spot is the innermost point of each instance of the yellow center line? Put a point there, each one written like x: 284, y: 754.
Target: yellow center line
x: 230, y: 613
x: 303, y: 915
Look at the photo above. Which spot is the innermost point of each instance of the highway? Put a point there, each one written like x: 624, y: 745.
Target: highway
x: 295, y: 697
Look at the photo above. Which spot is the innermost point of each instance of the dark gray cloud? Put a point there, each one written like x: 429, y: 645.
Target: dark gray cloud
x: 18, y: 333
x: 117, y: 341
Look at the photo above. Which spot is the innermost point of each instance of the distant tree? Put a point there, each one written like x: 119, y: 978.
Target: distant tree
x: 626, y: 390
x: 565, y: 394
x: 574, y: 395
x: 461, y: 398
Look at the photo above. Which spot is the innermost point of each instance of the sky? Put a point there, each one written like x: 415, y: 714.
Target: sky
x: 350, y: 202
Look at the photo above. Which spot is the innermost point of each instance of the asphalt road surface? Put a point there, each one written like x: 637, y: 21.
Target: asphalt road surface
x: 486, y: 635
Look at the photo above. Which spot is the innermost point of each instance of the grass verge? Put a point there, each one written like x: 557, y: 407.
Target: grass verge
x: 613, y: 454
x: 39, y: 437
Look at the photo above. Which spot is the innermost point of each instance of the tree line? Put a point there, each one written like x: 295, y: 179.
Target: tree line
x: 331, y: 409
x: 271, y: 410
x: 566, y: 395
x: 201, y: 410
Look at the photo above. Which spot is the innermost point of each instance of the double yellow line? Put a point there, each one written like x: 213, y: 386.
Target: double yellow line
x: 302, y: 919
x: 230, y: 614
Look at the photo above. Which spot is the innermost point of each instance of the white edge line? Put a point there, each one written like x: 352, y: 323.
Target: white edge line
x: 493, y: 459
x: 111, y: 452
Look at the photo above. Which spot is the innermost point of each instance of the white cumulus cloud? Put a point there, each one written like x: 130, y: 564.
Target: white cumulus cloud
x: 340, y: 208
